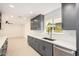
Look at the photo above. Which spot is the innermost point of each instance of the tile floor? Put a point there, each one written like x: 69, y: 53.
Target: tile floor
x: 19, y: 47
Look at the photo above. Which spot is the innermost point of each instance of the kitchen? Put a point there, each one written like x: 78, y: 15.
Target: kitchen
x: 47, y: 30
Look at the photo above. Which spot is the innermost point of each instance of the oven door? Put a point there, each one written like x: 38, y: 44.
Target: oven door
x: 60, y: 51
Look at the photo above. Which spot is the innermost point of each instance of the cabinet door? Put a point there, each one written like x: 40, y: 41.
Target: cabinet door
x: 68, y: 16
x: 36, y: 42
x: 37, y: 23
x: 45, y: 48
x: 30, y: 41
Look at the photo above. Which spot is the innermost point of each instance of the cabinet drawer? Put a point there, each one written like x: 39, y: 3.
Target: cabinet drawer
x: 44, y: 48
x: 30, y: 40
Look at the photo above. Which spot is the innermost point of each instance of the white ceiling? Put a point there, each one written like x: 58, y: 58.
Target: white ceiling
x: 23, y: 9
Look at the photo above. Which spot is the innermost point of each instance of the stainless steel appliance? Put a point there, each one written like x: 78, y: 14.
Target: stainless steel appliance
x: 61, y: 51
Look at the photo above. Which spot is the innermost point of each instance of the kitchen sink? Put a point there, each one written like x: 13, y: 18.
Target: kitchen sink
x: 49, y: 39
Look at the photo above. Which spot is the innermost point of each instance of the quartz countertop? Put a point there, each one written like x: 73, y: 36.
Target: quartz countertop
x: 65, y: 39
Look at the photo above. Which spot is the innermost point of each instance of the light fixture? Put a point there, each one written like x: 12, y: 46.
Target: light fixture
x: 31, y: 12
x: 35, y: 20
x: 7, y: 22
x: 12, y: 16
x: 12, y: 6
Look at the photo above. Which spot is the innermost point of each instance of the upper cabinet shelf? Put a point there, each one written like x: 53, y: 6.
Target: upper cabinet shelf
x: 37, y: 23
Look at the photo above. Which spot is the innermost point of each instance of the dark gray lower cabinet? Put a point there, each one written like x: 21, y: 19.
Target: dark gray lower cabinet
x: 44, y: 48
x: 3, y: 50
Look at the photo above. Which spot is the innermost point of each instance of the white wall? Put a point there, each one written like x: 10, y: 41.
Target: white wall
x: 12, y: 30
x: 27, y: 28
x: 3, y: 29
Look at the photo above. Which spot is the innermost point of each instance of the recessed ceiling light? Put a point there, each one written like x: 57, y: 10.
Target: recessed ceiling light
x: 31, y: 12
x: 35, y: 20
x: 12, y: 6
x: 12, y: 16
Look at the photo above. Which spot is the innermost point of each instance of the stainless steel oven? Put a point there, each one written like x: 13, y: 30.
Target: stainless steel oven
x: 61, y: 51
